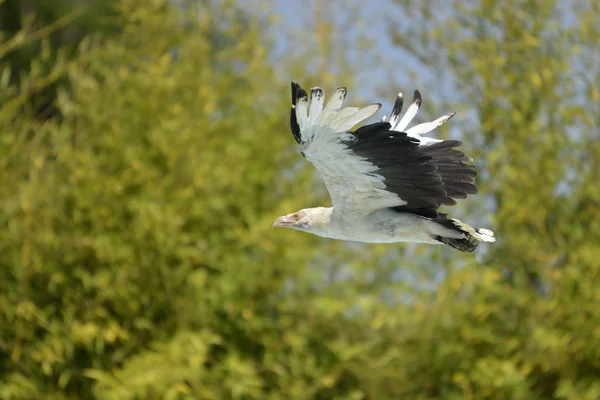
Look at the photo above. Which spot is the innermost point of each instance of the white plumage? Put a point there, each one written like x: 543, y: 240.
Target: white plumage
x: 386, y: 182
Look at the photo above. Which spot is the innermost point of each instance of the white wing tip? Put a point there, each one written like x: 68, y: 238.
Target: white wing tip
x: 425, y: 141
x: 442, y: 120
x: 485, y: 235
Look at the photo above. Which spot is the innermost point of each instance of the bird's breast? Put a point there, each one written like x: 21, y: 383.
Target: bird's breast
x: 383, y: 226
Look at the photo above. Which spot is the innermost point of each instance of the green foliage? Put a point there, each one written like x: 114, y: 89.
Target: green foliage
x: 54, y: 28
x: 136, y: 249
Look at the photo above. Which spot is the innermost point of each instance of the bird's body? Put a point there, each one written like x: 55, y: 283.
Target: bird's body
x: 383, y: 226
x: 386, y: 184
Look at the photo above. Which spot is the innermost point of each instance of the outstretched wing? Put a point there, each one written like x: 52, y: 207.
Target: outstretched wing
x: 375, y: 167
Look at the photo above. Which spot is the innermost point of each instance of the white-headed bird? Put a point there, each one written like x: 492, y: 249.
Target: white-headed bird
x: 386, y: 182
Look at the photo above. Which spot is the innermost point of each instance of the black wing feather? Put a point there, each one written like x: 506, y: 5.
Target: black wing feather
x: 426, y: 177
x: 397, y: 109
x: 293, y: 120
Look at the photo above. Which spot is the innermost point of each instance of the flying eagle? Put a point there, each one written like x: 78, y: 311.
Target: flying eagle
x: 386, y: 182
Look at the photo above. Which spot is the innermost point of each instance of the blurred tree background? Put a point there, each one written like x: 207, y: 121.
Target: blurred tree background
x: 145, y: 152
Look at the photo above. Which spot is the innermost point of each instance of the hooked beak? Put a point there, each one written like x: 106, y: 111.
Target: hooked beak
x: 283, y: 222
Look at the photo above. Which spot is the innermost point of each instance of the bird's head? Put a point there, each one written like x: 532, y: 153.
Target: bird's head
x: 308, y: 219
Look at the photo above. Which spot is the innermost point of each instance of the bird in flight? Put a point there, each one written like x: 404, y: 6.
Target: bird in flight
x: 386, y: 182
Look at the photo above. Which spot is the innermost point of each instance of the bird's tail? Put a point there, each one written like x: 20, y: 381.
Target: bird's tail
x: 471, y: 236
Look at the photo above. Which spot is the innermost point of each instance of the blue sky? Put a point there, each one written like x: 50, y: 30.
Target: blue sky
x: 380, y: 80
x: 376, y: 16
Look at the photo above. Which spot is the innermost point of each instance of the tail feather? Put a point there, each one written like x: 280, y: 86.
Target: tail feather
x: 471, y: 236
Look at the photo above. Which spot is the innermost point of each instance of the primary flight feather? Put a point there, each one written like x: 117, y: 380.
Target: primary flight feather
x: 386, y: 182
